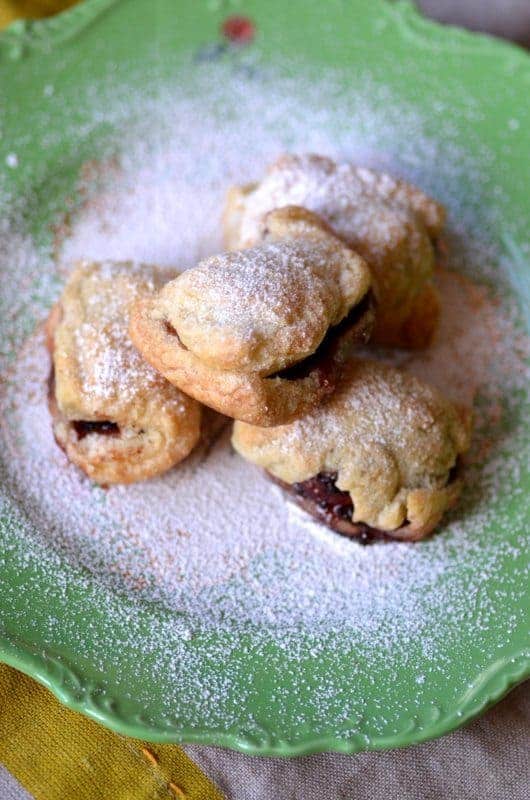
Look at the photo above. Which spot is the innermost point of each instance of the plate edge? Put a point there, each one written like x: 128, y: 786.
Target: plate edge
x: 24, y: 37
x: 92, y: 700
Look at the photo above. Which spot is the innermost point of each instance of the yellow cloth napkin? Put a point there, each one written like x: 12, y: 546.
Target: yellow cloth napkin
x: 32, y: 9
x: 55, y: 753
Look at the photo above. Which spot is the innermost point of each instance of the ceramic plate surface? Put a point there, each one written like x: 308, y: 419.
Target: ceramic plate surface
x: 121, y: 124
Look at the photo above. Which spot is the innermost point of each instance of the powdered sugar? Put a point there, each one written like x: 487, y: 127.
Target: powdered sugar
x: 360, y: 204
x: 212, y: 542
x: 109, y: 365
x: 209, y: 520
x: 263, y: 307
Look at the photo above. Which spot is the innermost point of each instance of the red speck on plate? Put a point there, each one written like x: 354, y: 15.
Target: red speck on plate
x: 238, y: 29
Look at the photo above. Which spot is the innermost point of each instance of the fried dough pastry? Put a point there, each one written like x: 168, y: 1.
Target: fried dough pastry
x: 114, y: 416
x: 376, y: 460
x: 261, y: 335
x: 391, y: 223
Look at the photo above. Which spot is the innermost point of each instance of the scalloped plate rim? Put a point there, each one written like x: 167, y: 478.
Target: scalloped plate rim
x: 490, y: 687
x: 74, y: 20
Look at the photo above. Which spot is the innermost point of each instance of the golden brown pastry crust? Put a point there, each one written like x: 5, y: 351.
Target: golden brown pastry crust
x: 391, y: 223
x: 99, y: 377
x: 226, y: 331
x: 391, y: 440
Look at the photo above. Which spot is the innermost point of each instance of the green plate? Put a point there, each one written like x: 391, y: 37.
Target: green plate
x: 447, y: 108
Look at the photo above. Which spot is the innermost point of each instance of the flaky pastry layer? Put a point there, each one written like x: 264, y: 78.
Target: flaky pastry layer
x: 391, y: 223
x: 115, y: 417
x: 391, y: 441
x: 261, y: 335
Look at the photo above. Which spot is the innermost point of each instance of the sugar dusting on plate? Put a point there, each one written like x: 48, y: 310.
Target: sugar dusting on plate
x: 213, y: 541
x: 207, y: 520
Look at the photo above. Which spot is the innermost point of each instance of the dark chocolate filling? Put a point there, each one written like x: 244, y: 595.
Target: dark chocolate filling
x: 320, y: 496
x: 82, y: 427
x: 322, y: 358
x: 322, y: 490
x: 173, y: 332
x: 86, y: 427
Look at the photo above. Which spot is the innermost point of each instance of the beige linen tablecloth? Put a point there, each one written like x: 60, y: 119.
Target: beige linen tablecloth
x: 488, y: 760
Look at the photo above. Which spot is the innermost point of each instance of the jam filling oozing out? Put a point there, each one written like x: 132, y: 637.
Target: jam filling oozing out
x: 86, y: 427
x: 322, y: 358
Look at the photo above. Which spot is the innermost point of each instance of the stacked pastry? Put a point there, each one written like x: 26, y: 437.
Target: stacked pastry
x: 320, y: 257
